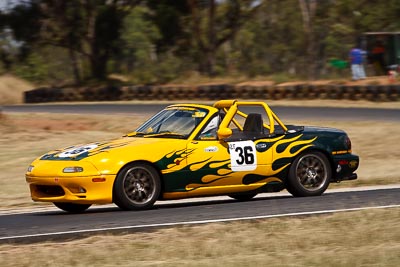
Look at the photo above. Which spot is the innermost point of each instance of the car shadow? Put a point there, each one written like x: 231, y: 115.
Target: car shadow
x: 160, y: 205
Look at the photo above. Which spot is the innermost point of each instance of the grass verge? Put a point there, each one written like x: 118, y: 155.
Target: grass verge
x: 362, y: 238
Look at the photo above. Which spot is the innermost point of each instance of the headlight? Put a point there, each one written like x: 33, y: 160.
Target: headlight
x: 30, y: 168
x: 72, y: 169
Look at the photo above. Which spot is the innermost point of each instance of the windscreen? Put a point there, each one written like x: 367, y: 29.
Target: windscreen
x: 177, y: 122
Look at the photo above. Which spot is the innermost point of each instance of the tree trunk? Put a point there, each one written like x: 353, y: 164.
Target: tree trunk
x: 75, y: 66
x: 308, y: 8
x: 211, y: 40
x: 197, y: 35
x: 98, y: 65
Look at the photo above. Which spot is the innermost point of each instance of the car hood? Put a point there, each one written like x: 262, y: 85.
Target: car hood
x: 84, y: 151
x: 104, y: 158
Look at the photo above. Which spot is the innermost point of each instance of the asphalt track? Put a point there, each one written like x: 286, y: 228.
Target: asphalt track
x: 54, y: 224
x: 284, y: 112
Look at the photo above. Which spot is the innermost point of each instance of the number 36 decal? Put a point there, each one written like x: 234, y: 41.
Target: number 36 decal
x: 243, y: 156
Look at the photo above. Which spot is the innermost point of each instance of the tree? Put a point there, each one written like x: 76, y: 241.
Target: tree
x: 308, y: 9
x: 15, y: 35
x: 169, y: 17
x: 8, y: 48
x: 139, y: 37
x: 214, y: 24
x: 91, y: 38
x: 272, y: 41
x: 86, y: 28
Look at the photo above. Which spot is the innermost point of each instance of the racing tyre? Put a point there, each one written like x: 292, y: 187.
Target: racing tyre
x: 243, y: 197
x: 137, y: 187
x: 309, y: 175
x: 72, y: 207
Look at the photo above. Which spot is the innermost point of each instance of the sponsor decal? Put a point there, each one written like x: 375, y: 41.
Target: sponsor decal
x: 263, y: 146
x: 340, y: 152
x: 199, y: 114
x: 353, y: 164
x: 211, y: 149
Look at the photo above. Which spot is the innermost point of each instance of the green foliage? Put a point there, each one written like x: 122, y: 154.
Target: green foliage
x: 139, y: 36
x: 45, y: 65
x: 157, y: 41
x: 33, y: 69
x: 281, y: 77
x: 168, y: 16
x: 167, y: 68
x: 170, y: 67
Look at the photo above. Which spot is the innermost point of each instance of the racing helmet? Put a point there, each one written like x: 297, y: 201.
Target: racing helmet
x: 212, y: 125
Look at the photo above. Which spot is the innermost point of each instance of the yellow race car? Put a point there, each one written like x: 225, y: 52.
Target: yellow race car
x: 232, y: 148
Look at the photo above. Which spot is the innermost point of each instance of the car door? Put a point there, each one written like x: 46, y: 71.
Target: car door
x: 209, y: 163
x: 227, y: 166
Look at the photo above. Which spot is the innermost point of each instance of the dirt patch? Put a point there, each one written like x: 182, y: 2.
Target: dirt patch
x: 12, y: 89
x: 57, y: 125
x: 376, y: 80
x: 256, y: 83
x: 38, y: 122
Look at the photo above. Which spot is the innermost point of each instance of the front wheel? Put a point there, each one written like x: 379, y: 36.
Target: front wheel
x: 72, y: 207
x: 137, y: 187
x: 309, y: 175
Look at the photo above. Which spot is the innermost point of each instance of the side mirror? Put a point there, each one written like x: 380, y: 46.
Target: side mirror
x: 224, y: 133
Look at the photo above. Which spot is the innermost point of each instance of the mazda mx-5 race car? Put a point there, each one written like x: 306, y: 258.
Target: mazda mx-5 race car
x: 232, y: 148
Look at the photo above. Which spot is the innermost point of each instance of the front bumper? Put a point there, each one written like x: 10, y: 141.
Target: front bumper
x: 80, y: 190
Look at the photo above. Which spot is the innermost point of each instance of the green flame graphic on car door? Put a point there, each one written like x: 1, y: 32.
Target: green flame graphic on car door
x: 207, y: 166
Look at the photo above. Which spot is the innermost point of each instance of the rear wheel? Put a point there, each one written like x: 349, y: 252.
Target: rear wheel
x: 137, y: 187
x: 72, y: 207
x: 309, y: 174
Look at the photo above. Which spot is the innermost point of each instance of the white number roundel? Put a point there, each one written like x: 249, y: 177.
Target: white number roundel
x: 243, y: 156
x: 75, y: 151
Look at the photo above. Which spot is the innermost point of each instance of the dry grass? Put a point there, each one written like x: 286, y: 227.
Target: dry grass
x: 192, y: 78
x: 12, y: 88
x: 365, y: 238
x: 26, y: 136
x: 335, y: 103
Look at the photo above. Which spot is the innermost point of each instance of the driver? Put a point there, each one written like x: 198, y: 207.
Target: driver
x: 210, y: 131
